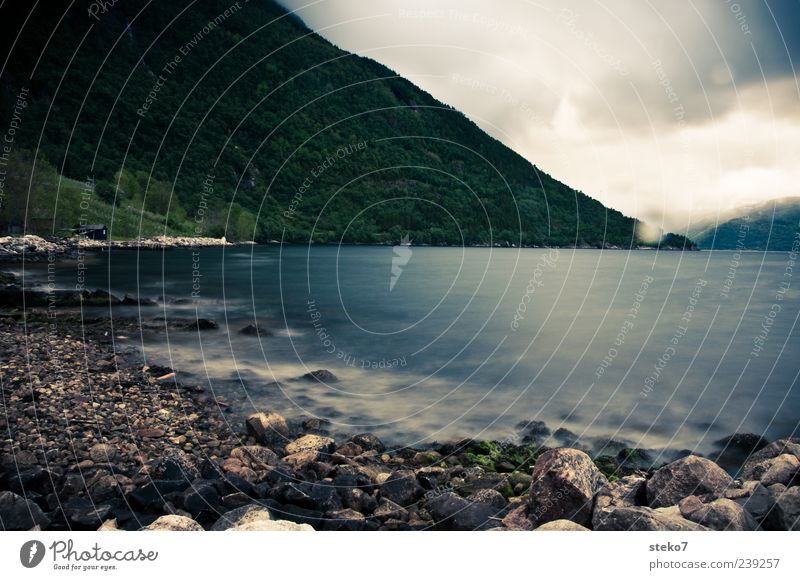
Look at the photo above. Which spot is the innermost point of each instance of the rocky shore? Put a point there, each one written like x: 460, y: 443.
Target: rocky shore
x: 95, y: 439
x: 35, y: 249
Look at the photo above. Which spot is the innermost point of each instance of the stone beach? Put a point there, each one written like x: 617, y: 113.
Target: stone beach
x: 95, y: 439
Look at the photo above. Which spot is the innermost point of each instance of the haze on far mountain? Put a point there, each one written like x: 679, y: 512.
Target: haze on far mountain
x: 772, y: 225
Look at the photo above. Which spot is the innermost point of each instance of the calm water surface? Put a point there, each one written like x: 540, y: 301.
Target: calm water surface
x: 658, y: 349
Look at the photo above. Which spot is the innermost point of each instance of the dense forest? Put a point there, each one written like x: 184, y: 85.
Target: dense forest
x: 232, y: 118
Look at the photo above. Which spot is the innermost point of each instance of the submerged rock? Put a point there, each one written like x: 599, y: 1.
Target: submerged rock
x: 255, y: 330
x: 321, y: 375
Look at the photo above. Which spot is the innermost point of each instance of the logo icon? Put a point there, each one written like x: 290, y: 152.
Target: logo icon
x: 401, y: 256
x: 31, y: 553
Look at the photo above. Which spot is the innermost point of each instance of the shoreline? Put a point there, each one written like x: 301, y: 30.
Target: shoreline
x: 107, y: 442
x: 15, y: 249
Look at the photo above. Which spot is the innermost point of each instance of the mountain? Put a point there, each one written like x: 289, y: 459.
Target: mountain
x: 234, y: 118
x: 772, y: 225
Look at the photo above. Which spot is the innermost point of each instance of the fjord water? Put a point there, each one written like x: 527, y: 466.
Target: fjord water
x: 657, y: 349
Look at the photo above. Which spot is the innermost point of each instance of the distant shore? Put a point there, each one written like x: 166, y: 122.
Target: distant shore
x: 35, y: 248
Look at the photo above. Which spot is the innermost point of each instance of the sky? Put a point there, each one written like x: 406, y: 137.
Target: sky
x: 671, y: 112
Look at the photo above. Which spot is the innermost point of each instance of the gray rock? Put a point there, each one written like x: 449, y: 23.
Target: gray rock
x: 241, y: 517
x: 721, y: 514
x: 346, y: 520
x: 388, y: 510
x: 369, y: 442
x: 626, y: 492
x: 491, y: 497
x: 771, y: 451
x: 476, y: 479
x: 691, y: 475
x: 450, y: 511
x: 175, y: 465
x: 563, y: 487
x: 255, y: 457
x: 271, y: 526
x: 561, y: 526
x: 783, y: 469
x: 201, y: 496
x: 173, y: 523
x: 102, y: 453
x: 359, y: 500
x: 310, y: 443
x: 786, y: 510
x: 517, y: 519
x: 268, y: 428
x: 645, y: 519
x: 753, y: 497
x: 17, y: 513
x: 402, y: 488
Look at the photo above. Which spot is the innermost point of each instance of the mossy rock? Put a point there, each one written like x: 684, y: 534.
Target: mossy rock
x: 607, y: 465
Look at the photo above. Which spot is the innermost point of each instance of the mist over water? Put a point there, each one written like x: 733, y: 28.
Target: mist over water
x: 657, y: 349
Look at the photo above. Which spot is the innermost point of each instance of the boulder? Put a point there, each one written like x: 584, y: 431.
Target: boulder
x: 563, y: 487
x: 690, y: 475
x: 173, y: 523
x: 346, y: 520
x: 476, y: 479
x: 18, y: 513
x: 303, y: 459
x: 310, y: 443
x: 255, y: 457
x: 151, y: 496
x: 752, y: 496
x: 402, y: 488
x: 783, y: 469
x: 517, y: 519
x: 626, y: 492
x: 175, y: 464
x: 721, y: 514
x: 491, y: 497
x: 752, y: 470
x: 645, y: 519
x: 85, y: 514
x: 271, y: 526
x: 450, y: 511
x: 241, y: 516
x: 201, y: 496
x: 268, y: 428
x: 388, y: 510
x: 561, y: 526
x: 359, y: 500
x: 369, y: 442
x: 786, y: 510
